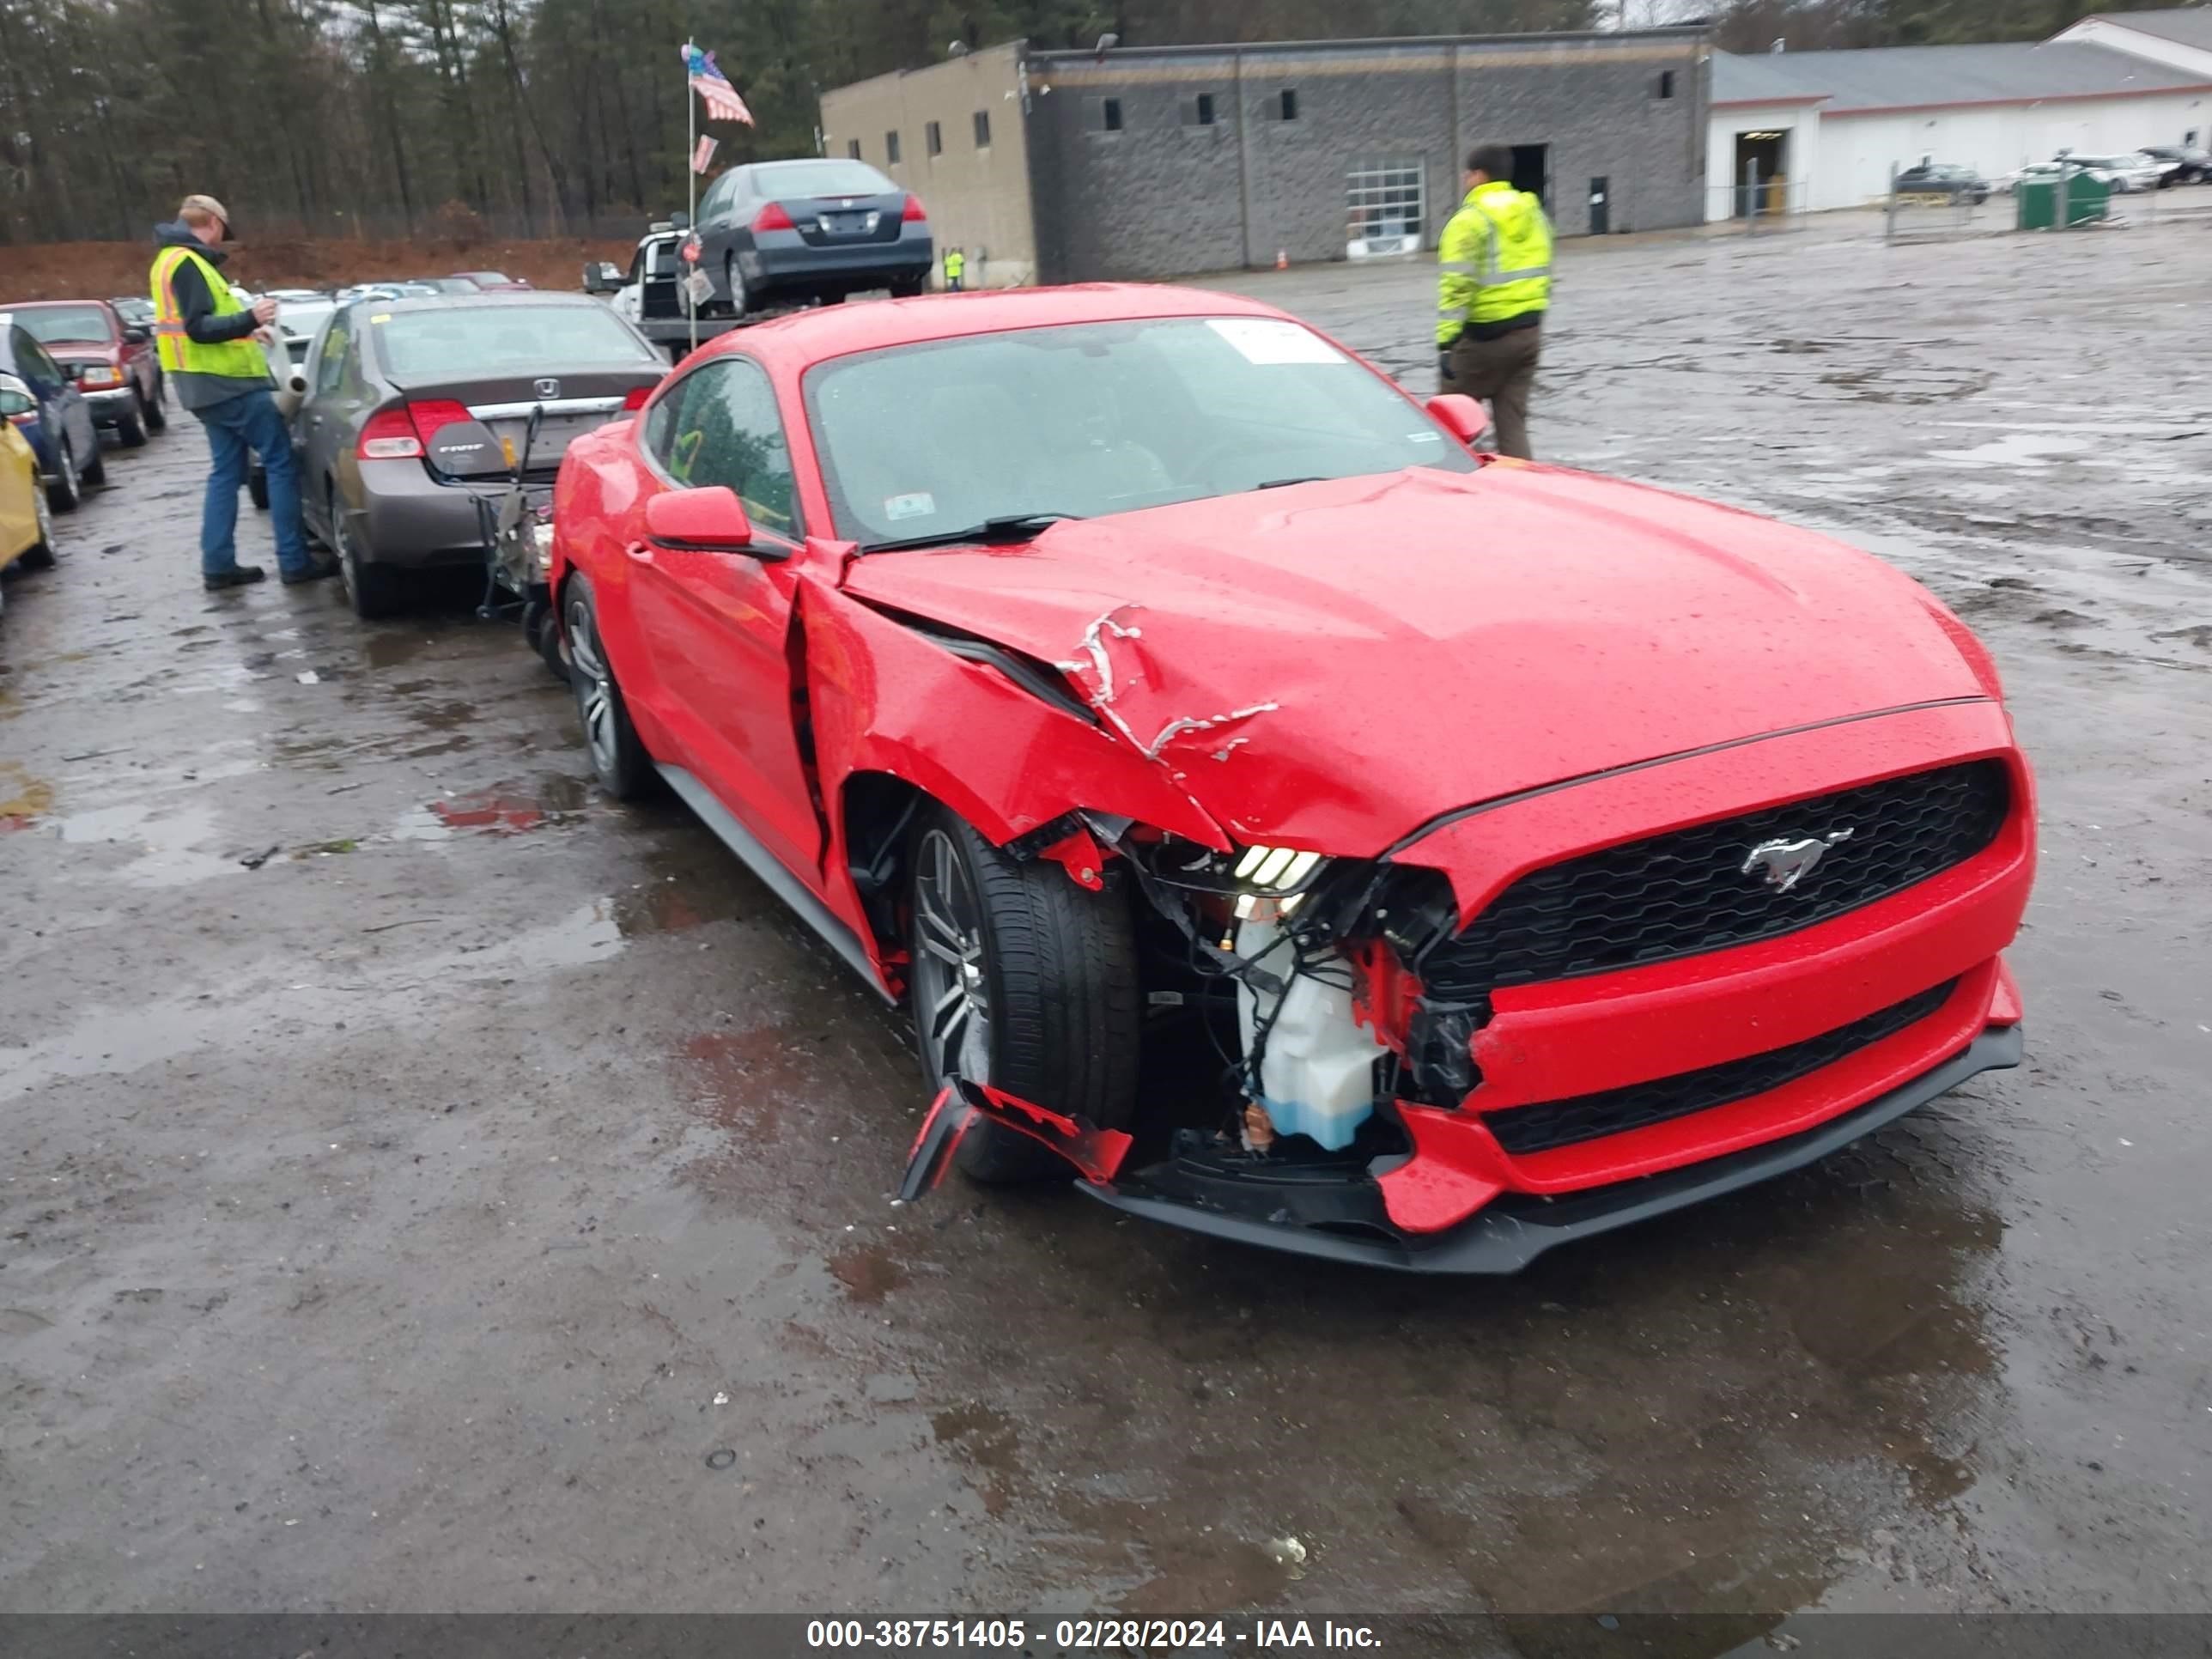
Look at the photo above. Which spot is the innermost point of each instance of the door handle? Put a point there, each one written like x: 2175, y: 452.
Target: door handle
x: 639, y: 553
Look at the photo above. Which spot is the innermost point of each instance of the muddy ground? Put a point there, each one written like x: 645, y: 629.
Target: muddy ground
x: 404, y: 1222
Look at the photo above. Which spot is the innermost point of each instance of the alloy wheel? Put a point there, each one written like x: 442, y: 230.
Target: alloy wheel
x: 951, y: 980
x: 595, y: 691
x: 349, y: 570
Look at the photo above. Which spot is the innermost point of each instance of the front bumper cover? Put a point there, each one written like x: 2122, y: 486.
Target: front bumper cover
x: 1504, y: 1236
x: 1512, y: 1231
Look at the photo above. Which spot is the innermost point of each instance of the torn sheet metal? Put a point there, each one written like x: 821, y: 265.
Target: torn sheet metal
x: 1096, y: 1154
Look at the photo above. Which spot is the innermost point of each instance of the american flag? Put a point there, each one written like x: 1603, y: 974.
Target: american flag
x: 723, y: 103
x: 703, y: 156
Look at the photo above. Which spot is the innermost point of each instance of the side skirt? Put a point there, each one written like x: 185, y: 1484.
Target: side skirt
x: 787, y: 887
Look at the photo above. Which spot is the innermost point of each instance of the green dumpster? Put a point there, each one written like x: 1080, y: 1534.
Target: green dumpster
x: 2086, y: 198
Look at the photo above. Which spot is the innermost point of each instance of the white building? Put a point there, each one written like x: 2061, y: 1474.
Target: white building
x: 2181, y: 39
x: 1820, y: 130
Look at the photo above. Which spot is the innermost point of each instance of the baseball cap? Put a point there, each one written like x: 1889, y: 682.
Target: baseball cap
x: 206, y: 204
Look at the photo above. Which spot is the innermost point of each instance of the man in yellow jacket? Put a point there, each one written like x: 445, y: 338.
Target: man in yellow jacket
x: 1495, y: 282
x: 210, y: 354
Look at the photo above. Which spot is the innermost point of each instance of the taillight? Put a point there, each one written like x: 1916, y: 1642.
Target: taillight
x: 912, y: 213
x: 433, y: 418
x: 773, y: 217
x: 635, y: 401
x: 389, y: 436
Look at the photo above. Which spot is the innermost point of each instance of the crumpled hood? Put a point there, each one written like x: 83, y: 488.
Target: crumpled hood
x: 1332, y: 665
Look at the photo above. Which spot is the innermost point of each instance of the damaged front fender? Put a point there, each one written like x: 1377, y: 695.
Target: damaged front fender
x: 883, y: 698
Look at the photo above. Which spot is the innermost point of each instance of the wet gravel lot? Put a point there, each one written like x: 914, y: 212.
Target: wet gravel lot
x: 408, y: 1221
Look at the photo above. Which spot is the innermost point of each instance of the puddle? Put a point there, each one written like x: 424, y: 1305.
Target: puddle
x: 2021, y: 449
x: 989, y: 1441
x: 499, y: 812
x: 169, y: 839
x: 744, y: 1077
x: 869, y: 1273
x: 393, y: 648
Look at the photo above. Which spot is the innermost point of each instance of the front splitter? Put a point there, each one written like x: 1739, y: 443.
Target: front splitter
x: 1515, y: 1230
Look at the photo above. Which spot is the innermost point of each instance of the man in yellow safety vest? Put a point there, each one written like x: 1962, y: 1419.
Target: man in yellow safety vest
x: 956, y: 269
x: 206, y: 338
x: 1495, y: 262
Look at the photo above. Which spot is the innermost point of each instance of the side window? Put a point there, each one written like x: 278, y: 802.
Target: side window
x: 722, y: 427
x: 49, y: 370
x: 333, y: 354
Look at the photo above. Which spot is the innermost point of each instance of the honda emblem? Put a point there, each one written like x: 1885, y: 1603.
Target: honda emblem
x: 548, y: 388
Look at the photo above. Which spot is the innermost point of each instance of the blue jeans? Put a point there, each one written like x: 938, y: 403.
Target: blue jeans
x: 235, y: 426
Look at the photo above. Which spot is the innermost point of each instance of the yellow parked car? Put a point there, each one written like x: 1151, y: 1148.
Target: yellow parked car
x: 26, y: 528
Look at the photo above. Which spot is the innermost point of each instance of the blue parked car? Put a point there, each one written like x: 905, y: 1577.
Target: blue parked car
x: 40, y: 401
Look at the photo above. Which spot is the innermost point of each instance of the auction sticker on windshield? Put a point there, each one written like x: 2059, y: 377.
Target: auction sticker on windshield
x: 1268, y: 340
x: 920, y: 505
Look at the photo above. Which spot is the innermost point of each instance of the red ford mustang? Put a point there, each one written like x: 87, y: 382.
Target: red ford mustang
x: 1313, y: 832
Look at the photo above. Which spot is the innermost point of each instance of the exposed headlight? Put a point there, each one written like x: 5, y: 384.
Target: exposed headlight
x: 100, y: 374
x: 541, y: 533
x: 1278, y: 877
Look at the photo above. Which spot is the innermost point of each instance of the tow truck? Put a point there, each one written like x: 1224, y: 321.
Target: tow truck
x: 663, y: 287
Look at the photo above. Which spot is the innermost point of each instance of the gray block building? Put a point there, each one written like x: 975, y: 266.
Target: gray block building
x: 1166, y: 162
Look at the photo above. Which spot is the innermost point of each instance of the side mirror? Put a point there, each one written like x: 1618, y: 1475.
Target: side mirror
x: 709, y: 520
x: 1463, y: 416
x: 135, y: 335
x: 602, y: 277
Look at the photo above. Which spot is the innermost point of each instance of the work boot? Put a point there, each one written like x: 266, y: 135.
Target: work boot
x: 239, y: 575
x: 314, y: 573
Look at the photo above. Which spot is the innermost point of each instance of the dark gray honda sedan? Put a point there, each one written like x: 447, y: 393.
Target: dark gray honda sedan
x: 385, y: 378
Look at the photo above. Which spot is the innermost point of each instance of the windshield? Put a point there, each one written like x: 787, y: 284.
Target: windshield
x: 821, y: 179
x: 452, y: 343
x: 1098, y: 418
x: 51, y: 325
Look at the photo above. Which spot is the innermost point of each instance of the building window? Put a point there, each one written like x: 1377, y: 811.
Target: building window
x: 1666, y: 83
x: 1385, y: 205
x: 890, y: 147
x: 1200, y: 111
x: 1286, y: 108
x: 853, y: 148
x: 1102, y: 114
x: 982, y: 128
x: 933, y: 136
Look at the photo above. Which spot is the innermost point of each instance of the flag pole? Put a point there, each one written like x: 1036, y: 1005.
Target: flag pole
x: 690, y: 179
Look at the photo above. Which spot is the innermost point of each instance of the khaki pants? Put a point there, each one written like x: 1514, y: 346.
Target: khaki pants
x: 1503, y: 370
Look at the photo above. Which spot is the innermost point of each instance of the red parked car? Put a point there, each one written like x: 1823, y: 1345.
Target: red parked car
x: 113, y: 362
x: 1316, y: 833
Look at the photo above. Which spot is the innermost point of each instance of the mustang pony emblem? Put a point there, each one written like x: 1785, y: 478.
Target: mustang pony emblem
x: 1783, y: 864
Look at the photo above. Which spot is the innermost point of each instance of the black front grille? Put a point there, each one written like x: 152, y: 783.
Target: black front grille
x: 1685, y: 892
x: 1548, y: 1124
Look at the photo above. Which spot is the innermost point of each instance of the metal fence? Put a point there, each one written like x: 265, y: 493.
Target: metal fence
x: 2061, y: 199
x: 1754, y: 204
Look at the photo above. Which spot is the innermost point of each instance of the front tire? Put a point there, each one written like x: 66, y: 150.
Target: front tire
x: 257, y: 490
x: 67, y: 490
x: 94, y: 471
x: 1025, y: 981
x: 157, y: 406
x: 618, y: 756
x: 741, y: 301
x: 131, y: 429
